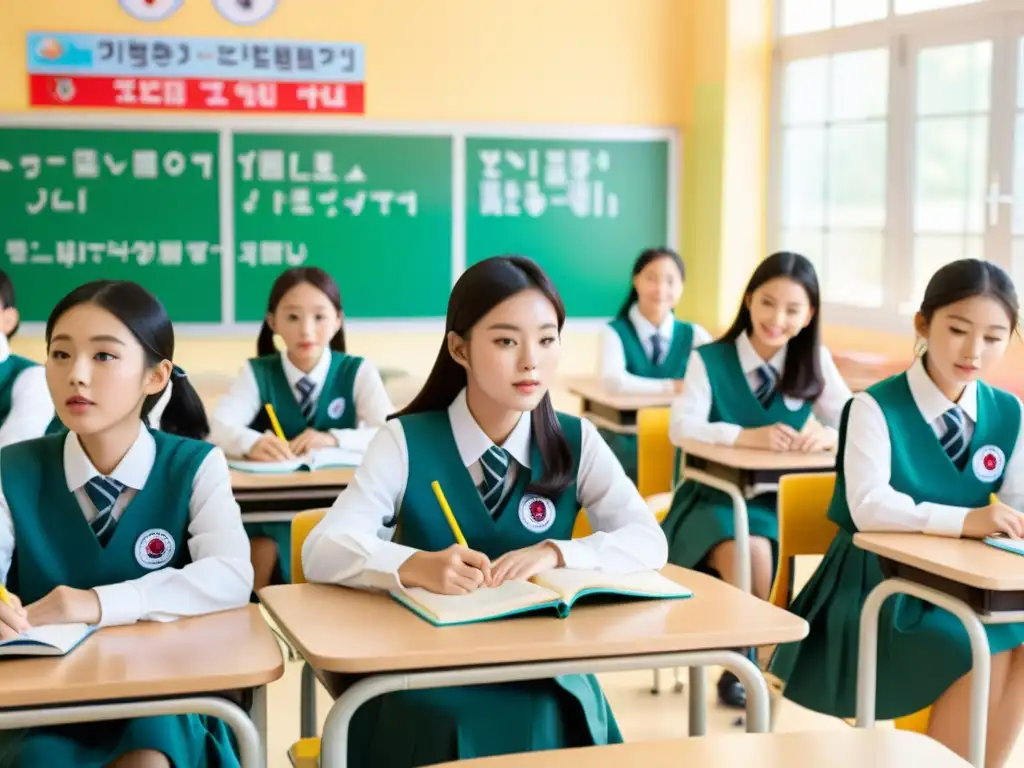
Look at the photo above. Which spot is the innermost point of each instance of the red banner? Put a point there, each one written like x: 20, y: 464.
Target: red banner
x: 203, y: 94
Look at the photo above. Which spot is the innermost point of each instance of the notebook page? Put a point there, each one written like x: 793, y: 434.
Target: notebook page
x: 568, y: 582
x: 334, y: 457
x: 266, y: 467
x: 484, y: 603
x: 63, y: 637
x: 1010, y: 545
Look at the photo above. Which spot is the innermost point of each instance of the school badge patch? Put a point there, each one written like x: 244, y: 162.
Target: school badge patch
x: 154, y: 549
x: 988, y: 463
x: 336, y: 407
x: 536, y: 513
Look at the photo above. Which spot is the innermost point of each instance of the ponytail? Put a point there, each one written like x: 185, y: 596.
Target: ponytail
x: 338, y: 340
x: 265, y: 341
x: 184, y: 414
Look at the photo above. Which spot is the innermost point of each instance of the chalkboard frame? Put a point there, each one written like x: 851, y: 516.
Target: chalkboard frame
x: 458, y: 131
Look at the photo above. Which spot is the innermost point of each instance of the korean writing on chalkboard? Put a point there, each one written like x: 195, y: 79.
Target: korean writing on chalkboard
x: 144, y: 253
x: 272, y: 253
x: 311, y: 186
x: 532, y: 182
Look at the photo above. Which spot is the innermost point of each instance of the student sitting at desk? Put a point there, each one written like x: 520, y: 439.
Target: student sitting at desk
x: 754, y: 388
x: 923, y: 451
x: 25, y: 405
x: 112, y: 523
x: 322, y: 397
x: 516, y: 474
x: 645, y: 349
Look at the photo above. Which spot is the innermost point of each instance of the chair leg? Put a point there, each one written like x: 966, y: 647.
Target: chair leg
x: 656, y: 683
x: 678, y: 687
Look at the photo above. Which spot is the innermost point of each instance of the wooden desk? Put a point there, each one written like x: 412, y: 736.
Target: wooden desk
x: 977, y: 583
x: 349, y: 631
x: 149, y: 669
x: 611, y: 411
x: 846, y: 748
x: 729, y: 470
x: 267, y: 498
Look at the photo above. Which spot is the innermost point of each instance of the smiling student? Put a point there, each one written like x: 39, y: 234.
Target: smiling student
x: 923, y: 451
x: 323, y: 397
x: 516, y: 474
x: 645, y: 349
x: 25, y: 405
x: 756, y: 387
x: 112, y: 523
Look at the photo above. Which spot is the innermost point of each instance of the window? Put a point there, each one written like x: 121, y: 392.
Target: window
x: 798, y: 17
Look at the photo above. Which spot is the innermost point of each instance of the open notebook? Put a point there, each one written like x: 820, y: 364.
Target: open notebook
x: 1010, y: 545
x: 555, y: 590
x: 47, y: 640
x: 325, y: 458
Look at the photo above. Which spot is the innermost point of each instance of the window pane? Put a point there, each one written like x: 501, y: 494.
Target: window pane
x: 807, y: 242
x: 954, y: 79
x: 916, y: 6
x: 858, y: 11
x: 1017, y: 261
x: 803, y: 178
x: 805, y: 91
x: 1018, y: 177
x: 932, y: 252
x: 853, y: 268
x: 856, y: 175
x: 860, y: 84
x: 799, y: 16
x: 1020, y: 75
x: 949, y: 174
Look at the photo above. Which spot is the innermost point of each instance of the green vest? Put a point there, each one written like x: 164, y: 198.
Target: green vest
x: 919, y: 466
x: 10, y: 370
x: 524, y: 519
x: 671, y: 366
x: 54, y: 545
x: 335, y: 407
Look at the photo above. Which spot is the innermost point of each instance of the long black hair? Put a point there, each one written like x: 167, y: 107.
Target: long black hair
x: 480, y: 289
x: 966, y: 278
x: 802, y: 375
x: 645, y: 258
x: 143, y: 315
x: 7, y: 298
x: 284, y: 283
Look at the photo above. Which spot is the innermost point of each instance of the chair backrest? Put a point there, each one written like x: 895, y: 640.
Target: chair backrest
x: 656, y: 455
x: 804, y: 528
x: 302, y: 524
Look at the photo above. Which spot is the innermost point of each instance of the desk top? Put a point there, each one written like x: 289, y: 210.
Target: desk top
x: 219, y: 652
x: 354, y: 631
x: 321, y: 478
x: 838, y: 748
x: 966, y: 561
x: 592, y: 389
x: 753, y: 458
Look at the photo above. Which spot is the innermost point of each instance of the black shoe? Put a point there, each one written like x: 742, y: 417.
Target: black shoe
x: 730, y: 691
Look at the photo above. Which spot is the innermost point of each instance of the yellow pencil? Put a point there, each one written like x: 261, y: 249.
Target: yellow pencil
x: 993, y: 499
x: 448, y: 513
x: 5, y: 598
x: 274, y: 422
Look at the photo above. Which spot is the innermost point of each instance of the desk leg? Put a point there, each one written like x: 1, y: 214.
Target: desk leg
x: 258, y: 715
x: 252, y: 754
x: 307, y: 712
x: 867, y: 664
x: 740, y: 521
x: 698, y: 701
x: 334, y: 743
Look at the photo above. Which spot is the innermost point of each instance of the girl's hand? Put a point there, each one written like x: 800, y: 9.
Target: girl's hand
x: 453, y: 571
x: 678, y: 385
x: 13, y: 618
x: 991, y: 520
x: 777, y: 437
x: 524, y: 564
x: 65, y: 605
x: 815, y: 438
x: 311, y: 440
x: 270, y: 448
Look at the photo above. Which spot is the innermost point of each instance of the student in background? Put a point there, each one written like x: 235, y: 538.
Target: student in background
x: 25, y: 405
x: 323, y: 397
x: 756, y: 387
x: 111, y: 523
x: 645, y: 349
x: 922, y: 452
x: 515, y: 473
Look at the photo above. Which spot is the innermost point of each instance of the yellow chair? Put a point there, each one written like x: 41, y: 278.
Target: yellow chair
x: 804, y: 529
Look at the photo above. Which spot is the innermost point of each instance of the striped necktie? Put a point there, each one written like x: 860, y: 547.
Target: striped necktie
x: 103, y: 493
x: 655, y: 349
x: 305, y: 387
x: 954, y: 440
x: 495, y: 464
x: 766, y: 388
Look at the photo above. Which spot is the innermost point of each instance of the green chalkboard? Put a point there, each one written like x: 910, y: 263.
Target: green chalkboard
x: 81, y: 204
x: 582, y: 209
x: 374, y: 211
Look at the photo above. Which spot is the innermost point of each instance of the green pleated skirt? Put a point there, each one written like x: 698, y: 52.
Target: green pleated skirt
x: 281, y: 533
x: 922, y: 649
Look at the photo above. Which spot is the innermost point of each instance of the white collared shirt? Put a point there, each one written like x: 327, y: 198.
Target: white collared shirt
x: 229, y: 426
x: 691, y: 410
x: 31, y: 406
x: 612, y: 365
x: 347, y: 548
x: 877, y: 506
x: 156, y: 413
x: 220, y: 575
